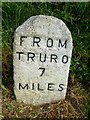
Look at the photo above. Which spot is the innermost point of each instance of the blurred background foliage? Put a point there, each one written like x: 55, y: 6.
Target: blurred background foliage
x: 77, y: 18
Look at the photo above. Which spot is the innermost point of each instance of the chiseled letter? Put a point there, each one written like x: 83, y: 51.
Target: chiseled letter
x: 23, y: 87
x: 36, y: 40
x: 62, y: 44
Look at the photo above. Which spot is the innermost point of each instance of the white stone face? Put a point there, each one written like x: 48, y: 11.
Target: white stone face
x: 42, y: 51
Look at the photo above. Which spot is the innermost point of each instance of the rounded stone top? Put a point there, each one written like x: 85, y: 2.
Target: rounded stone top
x: 47, y: 26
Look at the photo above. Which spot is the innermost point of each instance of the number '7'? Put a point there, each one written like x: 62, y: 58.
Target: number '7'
x: 43, y: 70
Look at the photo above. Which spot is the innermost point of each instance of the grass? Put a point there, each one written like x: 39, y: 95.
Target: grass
x: 77, y: 102
x: 74, y: 106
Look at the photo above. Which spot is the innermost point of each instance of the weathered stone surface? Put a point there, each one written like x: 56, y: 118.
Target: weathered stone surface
x: 41, y: 57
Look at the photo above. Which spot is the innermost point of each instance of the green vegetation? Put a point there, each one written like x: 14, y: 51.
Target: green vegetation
x: 77, y: 18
